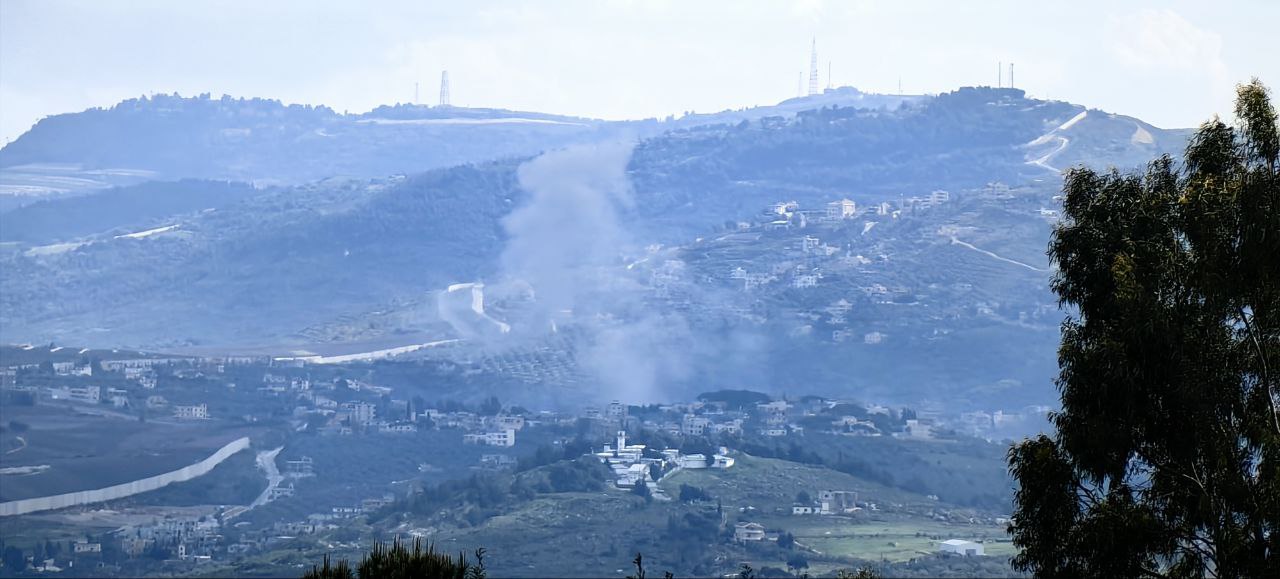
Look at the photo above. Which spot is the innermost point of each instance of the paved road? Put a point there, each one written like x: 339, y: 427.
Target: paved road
x: 267, y: 462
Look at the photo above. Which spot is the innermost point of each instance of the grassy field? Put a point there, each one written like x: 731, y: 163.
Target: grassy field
x: 893, y: 540
x: 900, y: 530
x: 769, y: 486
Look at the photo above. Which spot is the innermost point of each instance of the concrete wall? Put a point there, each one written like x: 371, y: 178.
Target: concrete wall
x: 186, y: 473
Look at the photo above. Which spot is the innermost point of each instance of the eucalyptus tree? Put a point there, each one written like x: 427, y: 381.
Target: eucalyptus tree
x: 1166, y: 457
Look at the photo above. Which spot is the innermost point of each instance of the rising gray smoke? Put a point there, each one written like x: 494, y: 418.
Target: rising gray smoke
x: 569, y: 242
x: 569, y: 228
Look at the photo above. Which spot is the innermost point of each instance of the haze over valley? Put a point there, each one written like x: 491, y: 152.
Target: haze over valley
x: 240, y: 337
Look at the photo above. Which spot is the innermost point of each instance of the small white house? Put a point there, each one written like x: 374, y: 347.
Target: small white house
x: 743, y: 532
x: 961, y: 547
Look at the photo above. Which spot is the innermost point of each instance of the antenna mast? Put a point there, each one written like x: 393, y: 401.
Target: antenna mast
x: 444, y: 89
x: 813, y: 68
x: 1010, y: 75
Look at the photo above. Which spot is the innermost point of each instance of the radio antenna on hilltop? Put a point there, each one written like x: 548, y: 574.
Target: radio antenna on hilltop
x: 829, y: 84
x: 444, y: 89
x: 813, y: 69
x: 1010, y: 75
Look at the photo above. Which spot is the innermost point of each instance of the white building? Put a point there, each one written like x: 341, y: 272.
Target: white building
x: 397, y: 428
x: 193, y: 412
x: 693, y: 461
x: 837, y: 502
x: 85, y: 394
x: 694, y: 425
x: 72, y: 369
x: 506, y: 422
x: 743, y: 532
x: 360, y: 412
x: 806, y: 280
x: 842, y: 209
x: 961, y: 547
x: 86, y: 547
x: 505, y: 438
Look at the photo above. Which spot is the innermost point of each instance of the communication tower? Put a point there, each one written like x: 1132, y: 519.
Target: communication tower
x: 444, y: 89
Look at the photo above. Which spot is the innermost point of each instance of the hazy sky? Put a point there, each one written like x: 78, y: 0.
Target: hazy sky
x: 1171, y: 63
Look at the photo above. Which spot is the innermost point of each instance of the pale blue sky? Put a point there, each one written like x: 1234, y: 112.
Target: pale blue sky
x: 1171, y: 63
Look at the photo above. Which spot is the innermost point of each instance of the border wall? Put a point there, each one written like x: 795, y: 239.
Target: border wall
x: 186, y: 473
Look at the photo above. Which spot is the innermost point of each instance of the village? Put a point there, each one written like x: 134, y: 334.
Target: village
x: 305, y: 399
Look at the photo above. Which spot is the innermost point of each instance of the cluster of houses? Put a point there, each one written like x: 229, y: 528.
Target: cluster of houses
x: 631, y: 467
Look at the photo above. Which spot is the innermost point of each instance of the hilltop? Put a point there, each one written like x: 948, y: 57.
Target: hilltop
x: 266, y: 142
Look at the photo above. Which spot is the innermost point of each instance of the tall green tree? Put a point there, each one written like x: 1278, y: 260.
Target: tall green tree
x: 1166, y: 456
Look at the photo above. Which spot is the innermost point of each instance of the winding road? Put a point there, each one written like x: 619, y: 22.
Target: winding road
x: 267, y: 462
x: 999, y: 257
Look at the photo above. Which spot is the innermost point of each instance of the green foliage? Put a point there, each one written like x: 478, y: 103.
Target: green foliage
x: 786, y: 540
x: 581, y: 475
x: 1166, y: 459
x: 689, y: 493
x: 797, y: 562
x: 398, y: 561
x: 14, y: 559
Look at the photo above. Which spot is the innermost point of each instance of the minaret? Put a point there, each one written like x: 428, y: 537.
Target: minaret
x: 444, y: 89
x: 813, y: 68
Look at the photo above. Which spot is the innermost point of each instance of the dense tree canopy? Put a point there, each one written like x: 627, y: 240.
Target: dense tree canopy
x: 1166, y: 459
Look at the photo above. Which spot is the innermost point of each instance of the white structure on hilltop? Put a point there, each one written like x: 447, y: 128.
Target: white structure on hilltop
x: 626, y: 461
x: 961, y: 547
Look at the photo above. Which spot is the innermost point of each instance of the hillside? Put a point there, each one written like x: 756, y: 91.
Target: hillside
x: 594, y: 533
x: 960, y: 275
